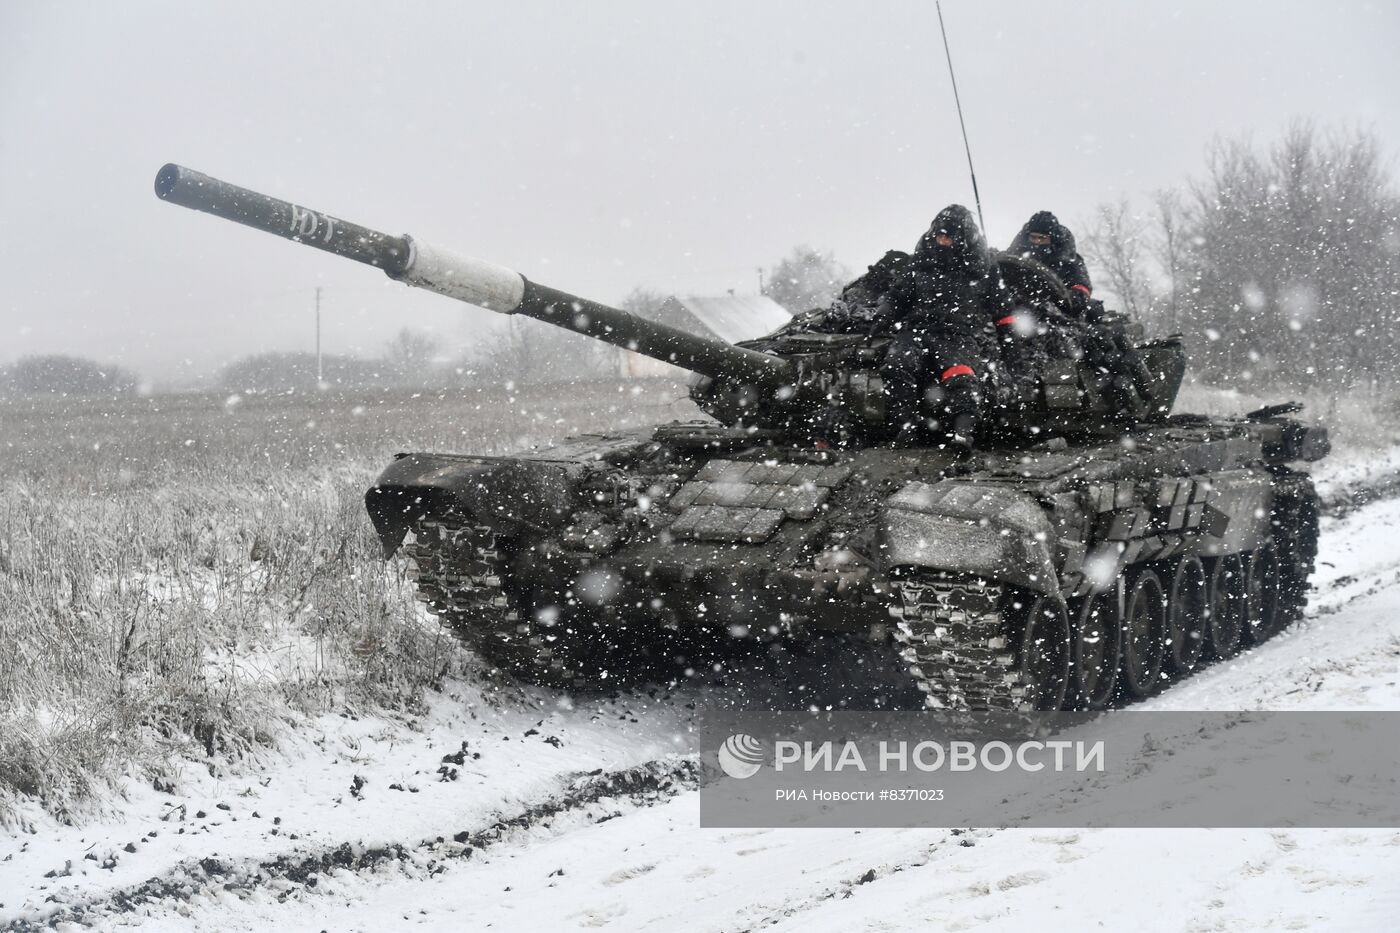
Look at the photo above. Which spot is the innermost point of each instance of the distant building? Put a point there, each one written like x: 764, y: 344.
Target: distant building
x: 730, y: 318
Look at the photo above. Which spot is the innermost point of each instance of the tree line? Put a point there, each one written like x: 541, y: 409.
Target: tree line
x: 1279, y: 265
x: 61, y: 374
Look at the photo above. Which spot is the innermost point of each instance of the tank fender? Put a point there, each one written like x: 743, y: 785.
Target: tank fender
x: 511, y: 494
x: 963, y: 527
x: 1243, y: 500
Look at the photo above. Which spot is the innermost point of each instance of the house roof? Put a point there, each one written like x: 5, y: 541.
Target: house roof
x: 729, y: 317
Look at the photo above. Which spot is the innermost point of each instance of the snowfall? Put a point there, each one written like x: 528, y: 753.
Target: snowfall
x: 508, y: 808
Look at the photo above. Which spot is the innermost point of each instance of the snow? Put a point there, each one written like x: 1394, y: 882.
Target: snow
x: 1350, y: 467
x: 638, y: 861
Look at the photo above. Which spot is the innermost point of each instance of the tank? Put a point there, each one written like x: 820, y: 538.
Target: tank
x: 1094, y: 547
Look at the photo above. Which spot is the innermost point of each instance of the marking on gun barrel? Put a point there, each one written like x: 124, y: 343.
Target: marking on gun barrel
x: 303, y: 220
x: 306, y: 222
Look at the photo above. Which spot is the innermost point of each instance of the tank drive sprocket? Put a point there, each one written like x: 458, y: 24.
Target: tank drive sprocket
x: 459, y: 567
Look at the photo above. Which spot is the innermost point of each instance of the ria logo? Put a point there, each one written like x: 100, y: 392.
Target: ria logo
x: 741, y: 756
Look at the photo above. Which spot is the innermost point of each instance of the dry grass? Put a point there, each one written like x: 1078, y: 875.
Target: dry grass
x: 182, y: 575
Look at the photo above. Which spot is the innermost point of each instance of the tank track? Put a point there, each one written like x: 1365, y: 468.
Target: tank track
x: 459, y: 568
x: 951, y: 633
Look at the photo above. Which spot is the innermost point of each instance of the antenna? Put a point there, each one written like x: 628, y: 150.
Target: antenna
x: 968, y: 149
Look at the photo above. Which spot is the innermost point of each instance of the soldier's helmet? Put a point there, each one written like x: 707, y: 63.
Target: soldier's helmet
x: 1045, y: 224
x: 964, y: 248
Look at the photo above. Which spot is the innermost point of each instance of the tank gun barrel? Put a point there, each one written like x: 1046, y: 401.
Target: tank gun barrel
x: 418, y: 263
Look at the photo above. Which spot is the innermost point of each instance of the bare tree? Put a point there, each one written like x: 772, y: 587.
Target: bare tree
x: 1288, y: 259
x: 806, y: 279
x: 1116, y: 244
x: 410, y: 355
x: 1168, y: 247
x: 1280, y: 263
x: 643, y: 301
x: 529, y: 351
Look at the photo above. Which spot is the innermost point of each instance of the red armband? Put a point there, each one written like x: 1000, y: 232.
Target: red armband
x: 954, y: 371
x: 1081, y: 288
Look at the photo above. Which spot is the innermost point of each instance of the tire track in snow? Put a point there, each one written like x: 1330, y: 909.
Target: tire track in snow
x: 845, y: 888
x: 591, y: 798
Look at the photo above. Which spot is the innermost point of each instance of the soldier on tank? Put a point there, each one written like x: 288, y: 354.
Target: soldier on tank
x: 1101, y: 342
x: 945, y: 299
x: 1048, y: 324
x: 1049, y: 242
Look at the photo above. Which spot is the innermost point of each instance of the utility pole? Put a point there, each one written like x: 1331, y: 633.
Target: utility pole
x: 318, y: 335
x: 760, y: 280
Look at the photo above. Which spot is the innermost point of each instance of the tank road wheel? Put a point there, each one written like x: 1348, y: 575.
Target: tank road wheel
x: 1144, y: 631
x: 1098, y: 642
x: 1262, y: 580
x: 1294, y: 522
x: 1043, y: 652
x: 1186, y: 616
x: 973, y: 644
x: 1227, y: 606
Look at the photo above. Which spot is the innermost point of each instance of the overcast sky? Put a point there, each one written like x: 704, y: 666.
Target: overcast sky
x: 594, y: 147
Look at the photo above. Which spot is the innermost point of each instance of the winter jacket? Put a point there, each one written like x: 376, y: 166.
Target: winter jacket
x: 1061, y: 256
x: 952, y: 290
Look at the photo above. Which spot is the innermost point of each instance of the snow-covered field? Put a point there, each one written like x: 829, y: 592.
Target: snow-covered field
x: 510, y: 809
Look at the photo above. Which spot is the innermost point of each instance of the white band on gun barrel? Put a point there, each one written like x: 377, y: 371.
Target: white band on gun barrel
x: 474, y: 281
